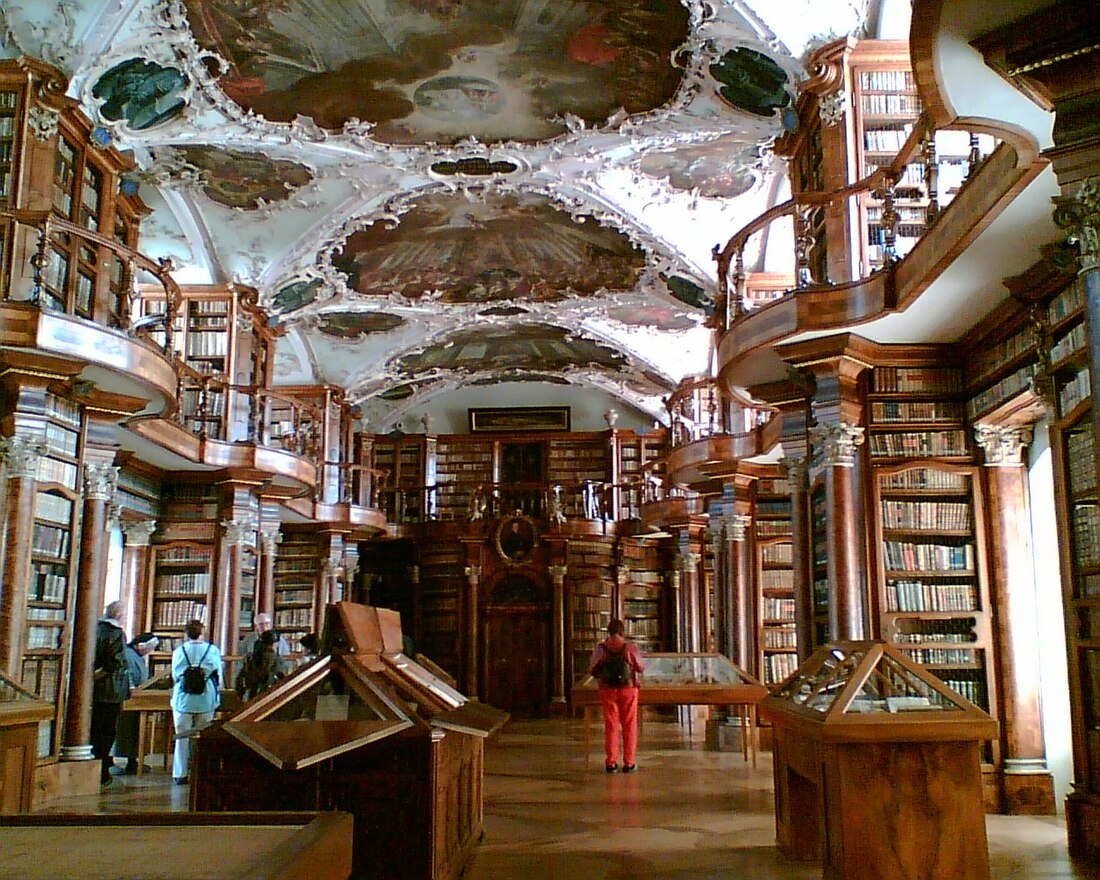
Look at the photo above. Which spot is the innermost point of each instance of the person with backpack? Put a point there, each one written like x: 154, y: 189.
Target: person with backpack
x: 196, y: 676
x: 617, y: 666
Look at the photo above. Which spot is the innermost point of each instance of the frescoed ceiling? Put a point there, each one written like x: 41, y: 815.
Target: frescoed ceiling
x: 432, y: 194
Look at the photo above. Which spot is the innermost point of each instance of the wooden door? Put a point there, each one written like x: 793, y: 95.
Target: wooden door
x: 517, y: 649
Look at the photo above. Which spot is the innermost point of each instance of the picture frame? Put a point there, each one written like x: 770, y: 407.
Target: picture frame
x: 519, y: 418
x: 515, y: 540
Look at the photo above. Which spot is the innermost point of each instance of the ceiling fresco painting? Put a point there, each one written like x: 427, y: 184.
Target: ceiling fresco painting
x: 659, y: 317
x: 352, y: 325
x: 295, y: 296
x: 751, y: 81
x: 723, y: 169
x: 524, y: 348
x: 141, y: 93
x: 433, y: 194
x: 504, y: 247
x: 245, y: 180
x: 440, y: 70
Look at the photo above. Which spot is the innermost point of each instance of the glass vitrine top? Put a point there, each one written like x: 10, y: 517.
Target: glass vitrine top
x: 683, y: 670
x: 866, y: 678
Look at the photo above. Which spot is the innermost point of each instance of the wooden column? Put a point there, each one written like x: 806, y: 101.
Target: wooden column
x: 473, y: 613
x: 676, y: 609
x: 270, y: 539
x: 723, y: 588
x: 1028, y: 784
x: 835, y: 453
x: 798, y: 472
x: 692, y: 601
x: 20, y: 453
x: 744, y: 629
x: 557, y: 624
x: 135, y: 562
x: 99, y: 487
x: 223, y: 627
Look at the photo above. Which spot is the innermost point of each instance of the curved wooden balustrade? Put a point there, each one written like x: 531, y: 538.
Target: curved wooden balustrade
x: 816, y: 307
x: 123, y: 270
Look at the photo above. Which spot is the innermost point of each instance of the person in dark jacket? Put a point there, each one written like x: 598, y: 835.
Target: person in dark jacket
x: 137, y: 669
x: 110, y: 688
x: 262, y: 668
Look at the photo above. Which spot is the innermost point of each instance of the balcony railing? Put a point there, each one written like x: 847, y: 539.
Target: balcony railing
x: 699, y: 408
x: 939, y: 163
x: 62, y: 267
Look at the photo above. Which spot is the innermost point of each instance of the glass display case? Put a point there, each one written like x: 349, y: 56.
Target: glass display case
x: 687, y: 679
x: 877, y: 767
x: 21, y: 713
x: 845, y: 687
x: 363, y: 728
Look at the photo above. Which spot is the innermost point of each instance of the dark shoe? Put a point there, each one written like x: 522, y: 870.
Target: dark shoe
x: 180, y: 780
x: 611, y: 768
x: 105, y: 781
x: 131, y: 769
x: 629, y: 768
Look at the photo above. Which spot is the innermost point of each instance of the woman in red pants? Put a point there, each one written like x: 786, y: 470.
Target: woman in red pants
x: 617, y: 666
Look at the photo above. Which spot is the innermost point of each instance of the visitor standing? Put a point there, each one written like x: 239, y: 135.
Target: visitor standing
x: 617, y: 666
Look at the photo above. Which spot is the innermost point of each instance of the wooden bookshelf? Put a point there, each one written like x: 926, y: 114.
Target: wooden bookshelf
x: 1078, y: 512
x: 886, y: 106
x: 182, y: 578
x: 641, y: 610
x: 297, y: 580
x: 54, y: 548
x: 401, y: 463
x: 440, y: 612
x: 819, y: 566
x: 934, y: 602
x: 65, y: 172
x: 778, y: 638
x: 462, y: 465
x: 591, y: 599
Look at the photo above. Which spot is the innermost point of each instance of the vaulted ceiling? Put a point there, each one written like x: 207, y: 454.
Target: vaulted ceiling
x: 442, y: 194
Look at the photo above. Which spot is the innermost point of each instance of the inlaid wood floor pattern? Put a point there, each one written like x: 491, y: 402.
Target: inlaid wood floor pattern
x: 687, y: 814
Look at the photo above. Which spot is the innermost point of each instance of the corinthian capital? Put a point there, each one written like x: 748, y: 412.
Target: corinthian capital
x: 138, y: 534
x: 21, y: 453
x: 835, y: 445
x: 1003, y: 446
x: 100, y: 481
x: 1079, y: 215
x: 240, y: 531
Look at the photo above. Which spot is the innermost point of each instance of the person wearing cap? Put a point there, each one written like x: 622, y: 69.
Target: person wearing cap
x: 137, y: 668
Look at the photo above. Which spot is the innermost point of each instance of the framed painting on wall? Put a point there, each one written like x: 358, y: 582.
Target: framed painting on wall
x: 519, y: 418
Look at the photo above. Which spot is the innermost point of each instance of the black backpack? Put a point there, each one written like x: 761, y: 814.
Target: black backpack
x: 194, y: 676
x: 615, y: 670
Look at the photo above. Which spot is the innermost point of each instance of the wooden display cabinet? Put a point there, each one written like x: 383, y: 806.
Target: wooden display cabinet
x: 365, y: 729
x: 268, y: 846
x: 877, y: 768
x: 21, y: 713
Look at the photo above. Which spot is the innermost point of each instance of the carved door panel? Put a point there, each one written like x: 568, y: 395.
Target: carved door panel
x: 517, y: 650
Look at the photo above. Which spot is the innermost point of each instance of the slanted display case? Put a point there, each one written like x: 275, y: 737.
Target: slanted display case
x: 877, y: 767
x: 366, y: 729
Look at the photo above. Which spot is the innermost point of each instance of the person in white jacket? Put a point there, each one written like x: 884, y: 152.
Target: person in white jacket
x: 192, y: 711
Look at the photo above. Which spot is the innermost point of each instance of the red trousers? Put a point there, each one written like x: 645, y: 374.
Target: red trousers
x: 620, y: 711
